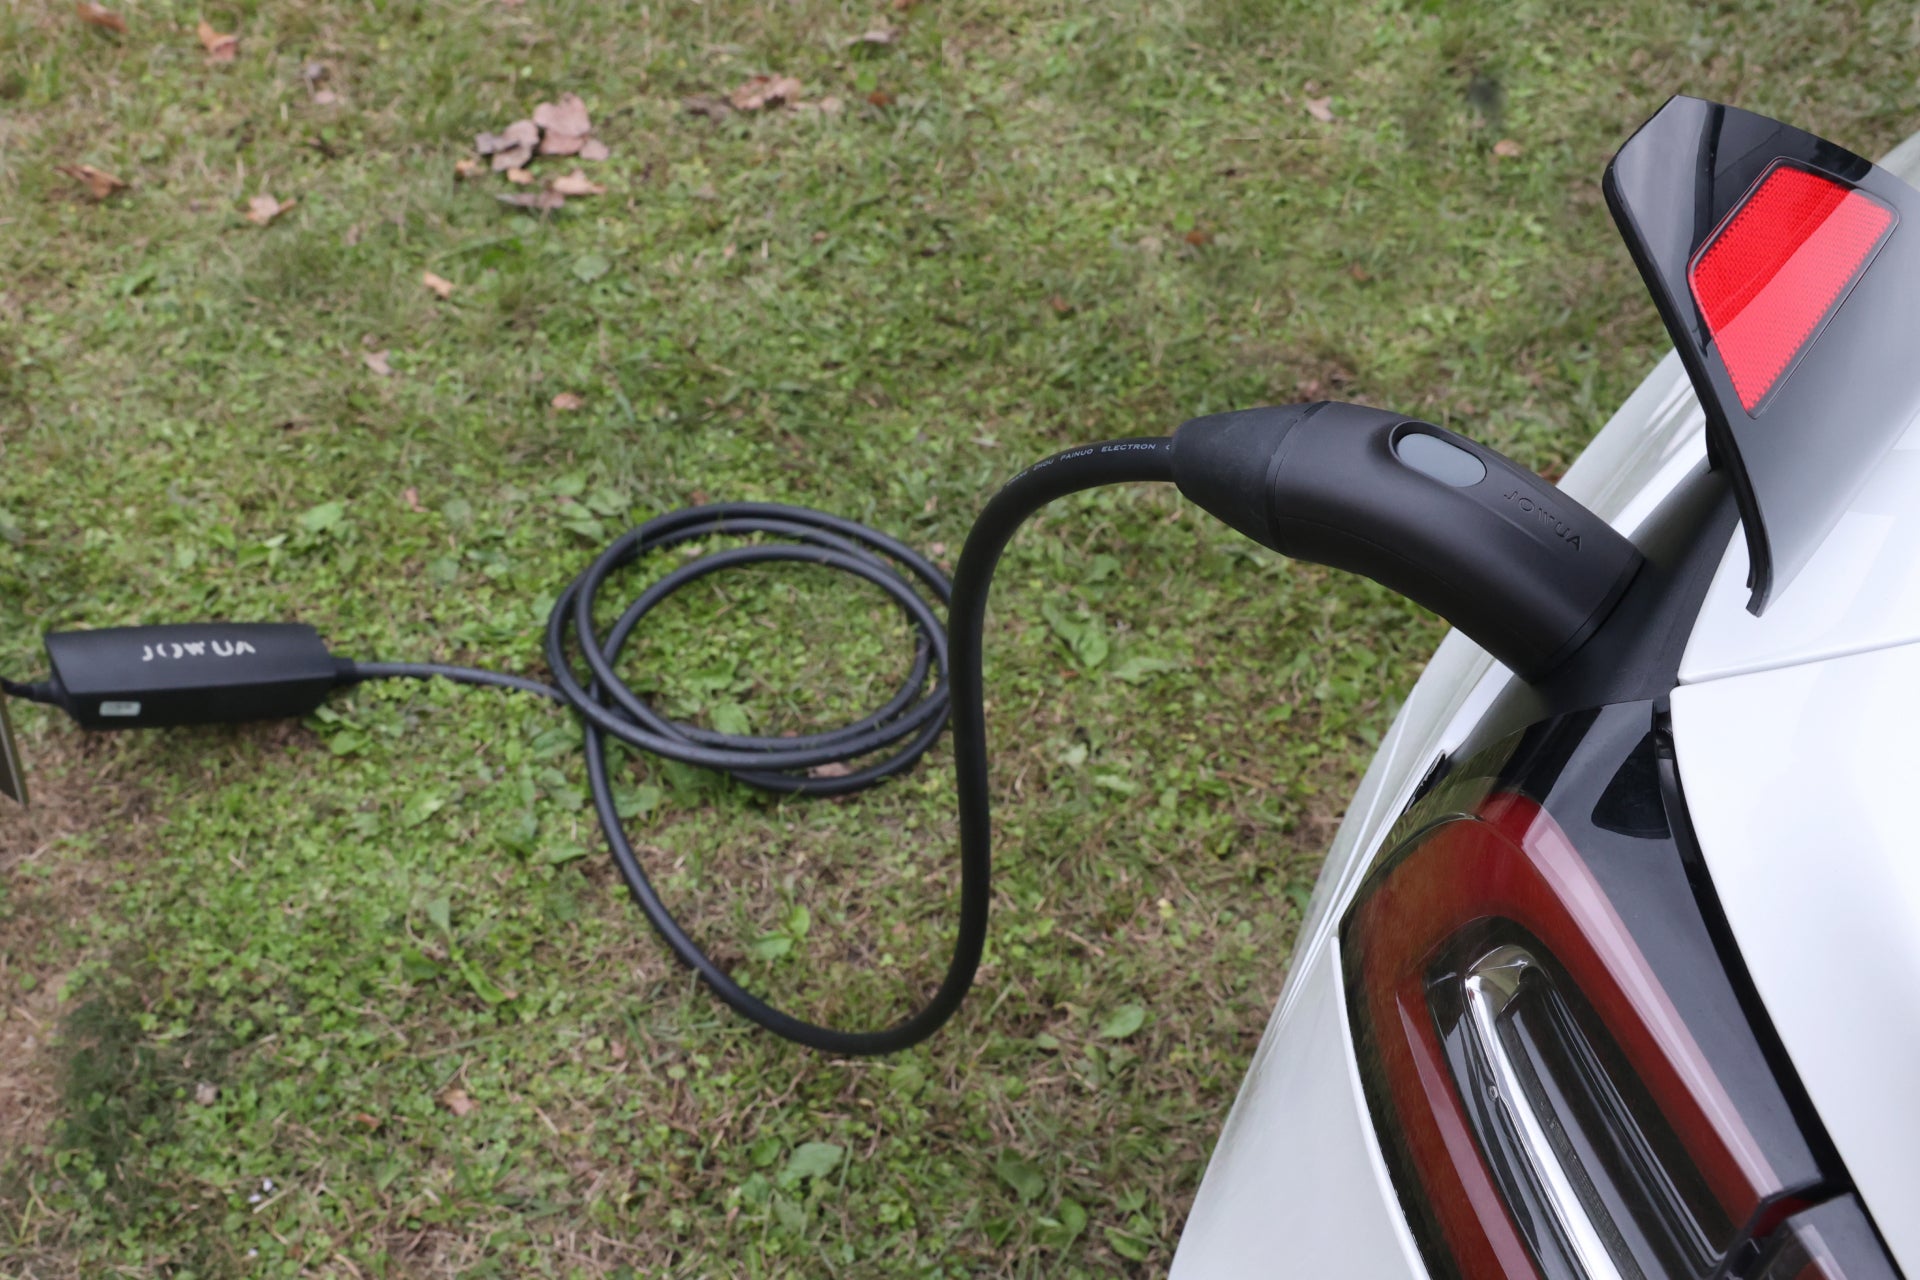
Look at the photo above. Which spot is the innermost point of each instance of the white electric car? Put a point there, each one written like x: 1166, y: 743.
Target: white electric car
x: 1619, y: 976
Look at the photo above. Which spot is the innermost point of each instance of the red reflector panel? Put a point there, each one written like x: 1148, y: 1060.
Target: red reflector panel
x: 1778, y: 269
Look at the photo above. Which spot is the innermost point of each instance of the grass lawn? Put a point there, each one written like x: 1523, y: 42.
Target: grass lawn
x: 361, y: 996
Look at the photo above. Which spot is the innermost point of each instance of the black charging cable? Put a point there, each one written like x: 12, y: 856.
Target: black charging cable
x: 1520, y: 567
x: 941, y: 680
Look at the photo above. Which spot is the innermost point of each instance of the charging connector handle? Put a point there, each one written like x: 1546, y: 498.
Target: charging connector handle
x: 1524, y: 570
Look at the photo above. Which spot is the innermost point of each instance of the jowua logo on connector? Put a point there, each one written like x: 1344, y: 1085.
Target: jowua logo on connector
x: 178, y: 650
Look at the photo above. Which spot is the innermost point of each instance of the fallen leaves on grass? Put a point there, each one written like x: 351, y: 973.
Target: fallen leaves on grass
x: 377, y: 362
x: 576, y: 184
x: 883, y: 34
x: 263, y: 209
x: 512, y: 147
x: 97, y: 15
x: 562, y: 128
x: 566, y: 118
x: 467, y: 167
x: 438, y: 284
x: 458, y: 1101
x: 99, y: 183
x: 1506, y: 148
x: 316, y: 75
x: 762, y: 92
x: 879, y: 98
x: 220, y: 48
x: 567, y: 402
x: 1321, y: 109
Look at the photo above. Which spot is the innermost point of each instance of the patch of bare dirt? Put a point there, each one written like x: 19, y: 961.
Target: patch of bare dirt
x: 50, y: 882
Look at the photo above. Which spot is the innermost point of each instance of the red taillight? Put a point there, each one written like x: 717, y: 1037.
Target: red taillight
x: 1565, y: 1077
x: 1507, y: 881
x: 1779, y: 266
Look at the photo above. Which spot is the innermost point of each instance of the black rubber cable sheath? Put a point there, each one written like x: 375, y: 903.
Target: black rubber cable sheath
x: 945, y: 679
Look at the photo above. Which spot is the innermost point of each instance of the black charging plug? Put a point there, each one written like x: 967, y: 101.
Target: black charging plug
x: 1519, y: 566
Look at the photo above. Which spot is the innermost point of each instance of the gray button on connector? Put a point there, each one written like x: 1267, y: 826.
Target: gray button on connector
x: 1448, y: 463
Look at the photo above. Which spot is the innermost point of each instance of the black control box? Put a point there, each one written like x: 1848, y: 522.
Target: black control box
x: 196, y: 673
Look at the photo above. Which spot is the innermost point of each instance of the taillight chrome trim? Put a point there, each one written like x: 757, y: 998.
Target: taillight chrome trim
x: 1491, y: 983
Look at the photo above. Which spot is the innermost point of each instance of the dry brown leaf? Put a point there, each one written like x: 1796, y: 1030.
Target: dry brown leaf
x: 562, y: 144
x: 1197, y: 237
x: 411, y: 495
x: 567, y: 402
x: 576, y: 184
x: 1061, y: 307
x: 99, y: 183
x: 100, y: 16
x: 706, y: 104
x: 325, y: 98
x: 880, y: 98
x: 765, y: 91
x: 594, y: 149
x: 458, y: 1101
x: 439, y: 284
x: 877, y: 35
x: 512, y: 147
x: 1507, y: 148
x: 542, y: 200
x: 377, y: 361
x: 263, y: 209
x: 467, y: 168
x: 831, y: 769
x: 568, y: 116
x: 220, y: 48
x: 1321, y: 109
x: 205, y: 1095
x: 520, y: 177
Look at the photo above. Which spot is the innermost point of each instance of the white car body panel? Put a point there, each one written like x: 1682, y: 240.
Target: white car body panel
x: 1797, y: 780
x: 1306, y: 1192
x: 1860, y: 591
x: 1786, y: 766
